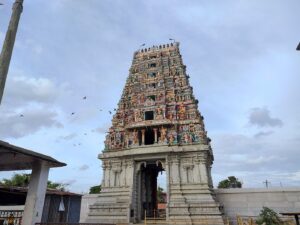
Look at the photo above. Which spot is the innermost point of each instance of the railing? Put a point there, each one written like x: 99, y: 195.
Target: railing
x: 11, y: 217
x: 66, y: 223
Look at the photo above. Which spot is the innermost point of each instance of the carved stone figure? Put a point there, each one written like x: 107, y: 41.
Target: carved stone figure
x: 157, y: 127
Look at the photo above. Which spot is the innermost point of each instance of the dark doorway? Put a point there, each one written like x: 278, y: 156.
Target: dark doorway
x: 148, y: 199
x: 149, y: 136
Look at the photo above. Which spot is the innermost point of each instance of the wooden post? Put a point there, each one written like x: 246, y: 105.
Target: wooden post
x: 8, y: 44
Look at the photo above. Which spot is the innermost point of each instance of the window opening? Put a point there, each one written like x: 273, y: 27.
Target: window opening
x: 149, y: 115
x: 152, y: 85
x: 152, y: 75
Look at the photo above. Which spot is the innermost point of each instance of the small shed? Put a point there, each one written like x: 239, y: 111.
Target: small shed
x: 16, y: 158
x: 59, y: 206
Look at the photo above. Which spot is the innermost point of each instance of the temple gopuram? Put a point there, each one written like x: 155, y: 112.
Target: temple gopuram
x: 157, y: 127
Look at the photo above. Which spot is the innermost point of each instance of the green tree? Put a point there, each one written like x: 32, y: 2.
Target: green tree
x: 230, y: 182
x: 18, y: 180
x: 57, y: 186
x: 160, y: 195
x: 22, y: 180
x: 269, y: 217
x: 95, y: 189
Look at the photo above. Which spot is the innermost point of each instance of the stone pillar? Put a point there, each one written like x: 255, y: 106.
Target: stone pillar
x: 123, y: 174
x: 36, y: 194
x: 209, y: 176
x: 203, y: 172
x: 143, y: 137
x: 175, y: 171
x: 130, y: 171
x: 8, y: 44
x: 103, y: 174
x: 197, y: 176
x: 155, y: 135
x: 107, y: 174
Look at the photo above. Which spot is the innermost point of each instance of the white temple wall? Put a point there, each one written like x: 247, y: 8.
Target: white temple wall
x: 244, y: 201
x: 249, y: 201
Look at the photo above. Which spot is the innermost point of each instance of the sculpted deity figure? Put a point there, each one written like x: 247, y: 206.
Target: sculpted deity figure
x: 186, y: 138
x: 181, y: 111
x: 170, y: 116
x: 159, y: 113
x: 135, y: 137
x: 163, y: 134
x: 137, y: 116
x: 171, y: 139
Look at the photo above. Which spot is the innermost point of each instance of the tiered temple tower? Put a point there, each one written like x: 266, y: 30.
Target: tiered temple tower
x: 157, y: 127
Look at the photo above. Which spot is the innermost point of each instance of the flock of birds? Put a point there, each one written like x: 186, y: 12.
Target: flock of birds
x: 73, y: 113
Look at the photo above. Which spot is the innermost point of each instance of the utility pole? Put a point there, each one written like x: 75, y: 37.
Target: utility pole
x: 267, y: 183
x: 9, y: 42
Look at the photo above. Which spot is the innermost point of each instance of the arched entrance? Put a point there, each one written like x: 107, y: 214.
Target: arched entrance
x: 147, y: 198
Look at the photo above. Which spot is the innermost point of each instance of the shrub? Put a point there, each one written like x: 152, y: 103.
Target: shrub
x: 269, y: 217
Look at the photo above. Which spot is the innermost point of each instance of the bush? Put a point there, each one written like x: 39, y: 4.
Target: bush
x: 269, y: 217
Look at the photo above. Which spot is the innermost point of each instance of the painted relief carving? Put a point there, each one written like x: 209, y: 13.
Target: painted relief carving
x: 159, y: 85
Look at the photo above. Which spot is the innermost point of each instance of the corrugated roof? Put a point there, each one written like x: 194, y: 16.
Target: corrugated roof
x: 13, y: 189
x: 14, y: 158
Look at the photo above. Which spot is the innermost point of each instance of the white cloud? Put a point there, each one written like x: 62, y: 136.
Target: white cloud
x: 67, y: 137
x: 295, y: 176
x: 263, y: 134
x: 22, y: 90
x: 102, y: 129
x: 12, y: 125
x: 261, y: 159
x: 84, y: 167
x: 261, y: 118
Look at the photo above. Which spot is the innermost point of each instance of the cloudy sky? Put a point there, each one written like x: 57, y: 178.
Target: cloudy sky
x: 239, y: 54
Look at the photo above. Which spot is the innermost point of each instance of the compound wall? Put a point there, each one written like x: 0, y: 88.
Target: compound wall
x: 249, y: 201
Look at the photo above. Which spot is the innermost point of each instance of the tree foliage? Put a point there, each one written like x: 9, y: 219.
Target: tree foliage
x: 95, y: 189
x: 57, y: 186
x: 22, y: 180
x: 17, y: 180
x: 269, y: 217
x: 160, y: 195
x: 230, y: 182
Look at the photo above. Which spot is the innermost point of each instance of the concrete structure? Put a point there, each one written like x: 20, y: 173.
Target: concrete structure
x: 237, y: 201
x: 8, y: 44
x: 12, y: 200
x: 249, y: 201
x: 16, y: 158
x: 157, y: 127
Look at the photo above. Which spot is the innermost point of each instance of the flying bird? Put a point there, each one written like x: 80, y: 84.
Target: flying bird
x: 109, y: 112
x: 72, y: 113
x: 115, y: 109
x: 143, y: 45
x: 85, y: 133
x: 21, y: 115
x: 171, y: 39
x: 84, y: 98
x: 100, y: 110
